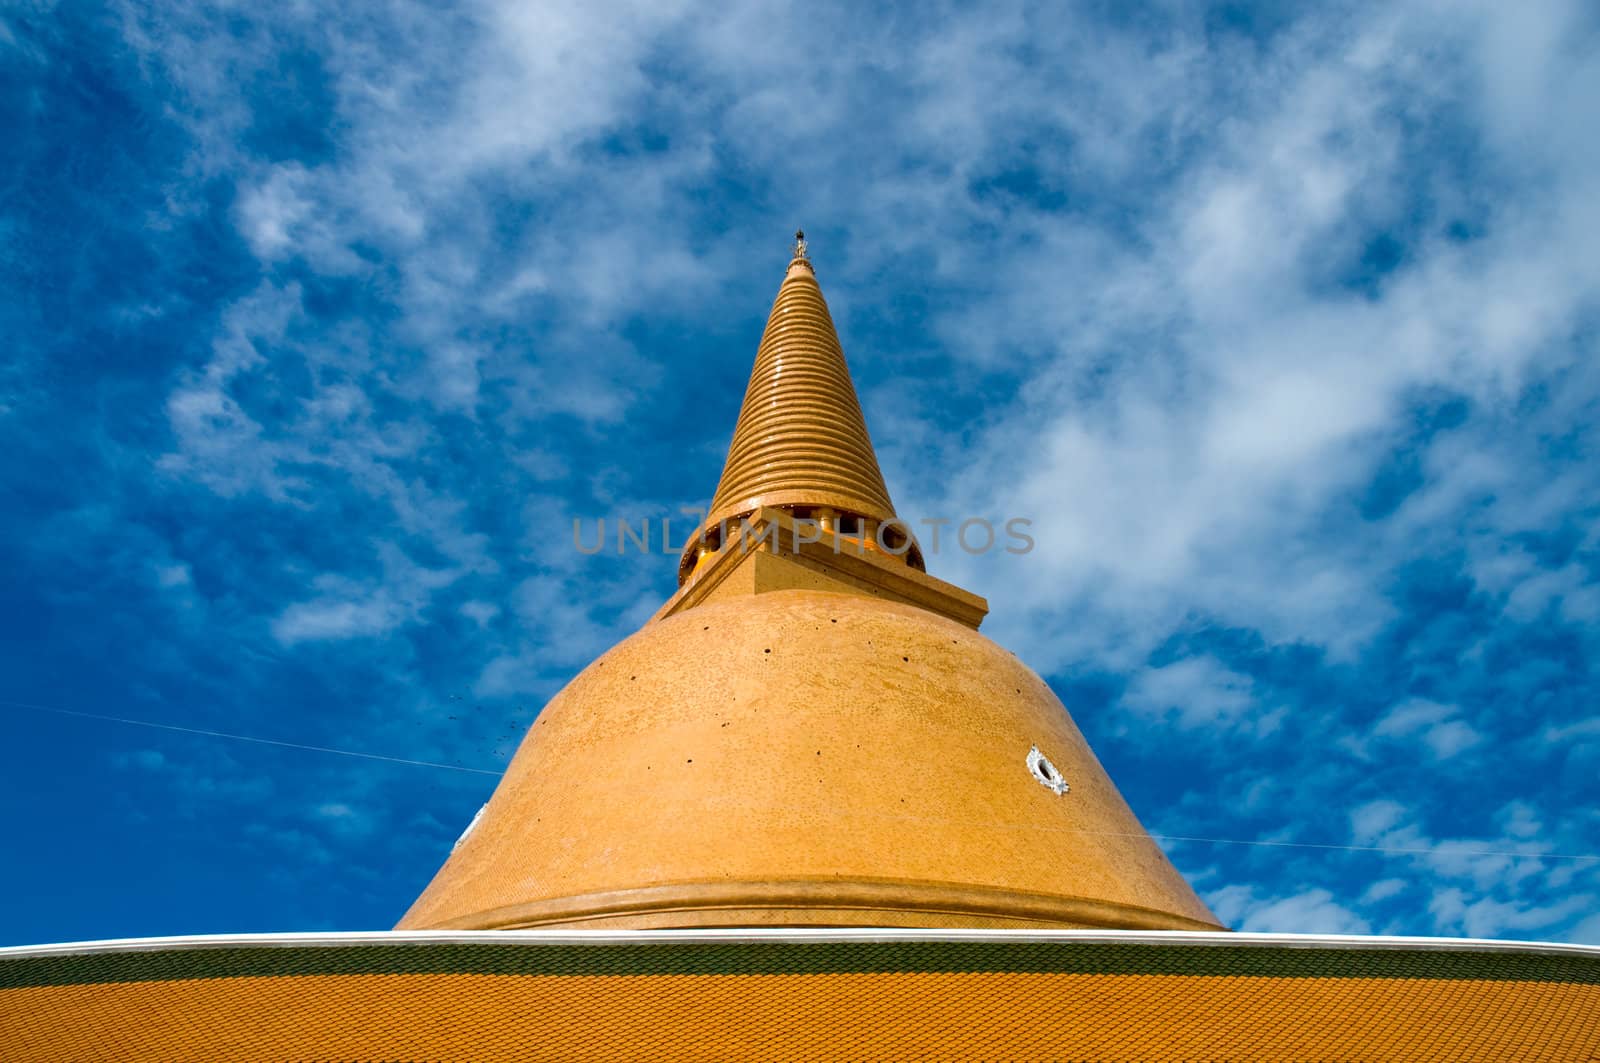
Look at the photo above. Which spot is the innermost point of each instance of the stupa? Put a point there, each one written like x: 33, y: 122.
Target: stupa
x: 812, y: 731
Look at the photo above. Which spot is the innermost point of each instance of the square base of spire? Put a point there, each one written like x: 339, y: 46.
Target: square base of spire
x: 770, y: 551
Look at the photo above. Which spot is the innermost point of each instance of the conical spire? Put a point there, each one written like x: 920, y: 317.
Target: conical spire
x: 801, y: 439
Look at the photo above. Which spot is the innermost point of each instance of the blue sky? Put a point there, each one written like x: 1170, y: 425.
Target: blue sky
x: 322, y: 324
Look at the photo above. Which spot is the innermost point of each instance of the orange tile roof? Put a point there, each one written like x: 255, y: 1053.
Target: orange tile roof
x: 513, y: 996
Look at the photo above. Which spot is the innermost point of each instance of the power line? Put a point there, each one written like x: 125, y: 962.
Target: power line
x: 246, y: 738
x: 1386, y: 850
x: 1390, y: 850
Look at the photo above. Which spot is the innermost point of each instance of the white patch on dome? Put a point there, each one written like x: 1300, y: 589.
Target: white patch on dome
x: 1041, y: 768
x: 475, y: 817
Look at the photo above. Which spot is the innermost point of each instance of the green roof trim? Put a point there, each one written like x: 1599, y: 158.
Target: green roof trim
x: 792, y: 958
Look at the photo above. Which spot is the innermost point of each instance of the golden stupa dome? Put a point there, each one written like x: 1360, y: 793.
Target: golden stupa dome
x: 806, y: 757
x: 810, y: 731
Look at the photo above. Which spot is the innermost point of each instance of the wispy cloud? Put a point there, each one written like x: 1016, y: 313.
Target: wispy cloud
x: 1312, y: 911
x: 1432, y: 724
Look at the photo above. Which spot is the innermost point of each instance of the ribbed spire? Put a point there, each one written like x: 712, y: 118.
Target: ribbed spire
x: 801, y: 439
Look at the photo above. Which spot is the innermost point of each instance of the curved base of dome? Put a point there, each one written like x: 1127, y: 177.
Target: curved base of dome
x: 829, y: 902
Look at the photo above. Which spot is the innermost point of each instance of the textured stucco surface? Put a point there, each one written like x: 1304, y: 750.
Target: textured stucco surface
x: 807, y: 757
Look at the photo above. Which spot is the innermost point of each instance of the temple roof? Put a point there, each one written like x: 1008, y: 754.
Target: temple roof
x: 800, y: 994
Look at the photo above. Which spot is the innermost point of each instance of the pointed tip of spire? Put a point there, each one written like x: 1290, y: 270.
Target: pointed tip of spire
x: 801, y: 260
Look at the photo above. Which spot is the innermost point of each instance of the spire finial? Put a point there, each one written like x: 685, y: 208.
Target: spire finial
x: 800, y: 245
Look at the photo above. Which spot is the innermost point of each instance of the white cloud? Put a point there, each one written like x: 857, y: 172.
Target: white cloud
x: 480, y: 613
x: 1195, y: 692
x: 1453, y: 910
x: 1587, y: 932
x: 1383, y: 889
x: 343, y: 819
x: 1375, y: 819
x: 271, y: 212
x: 1481, y: 887
x: 1312, y: 911
x: 175, y: 575
x: 1582, y: 729
x: 337, y: 619
x: 1234, y: 400
x: 1432, y: 724
x: 345, y: 608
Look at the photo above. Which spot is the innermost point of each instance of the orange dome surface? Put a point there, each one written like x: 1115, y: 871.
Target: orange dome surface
x: 806, y: 757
